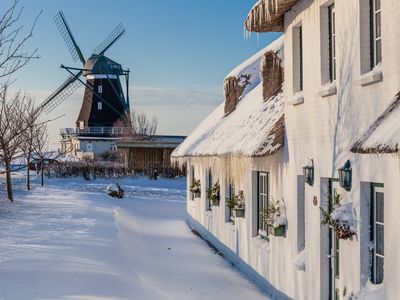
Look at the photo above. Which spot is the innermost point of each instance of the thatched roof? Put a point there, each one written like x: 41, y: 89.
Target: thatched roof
x: 254, y: 126
x: 383, y: 136
x: 268, y: 15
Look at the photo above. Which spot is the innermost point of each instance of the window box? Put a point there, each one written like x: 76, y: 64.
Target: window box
x: 274, y: 216
x: 196, y: 194
x: 238, y: 212
x: 195, y: 188
x: 277, y: 231
x: 213, y: 193
x: 215, y: 202
x: 235, y: 204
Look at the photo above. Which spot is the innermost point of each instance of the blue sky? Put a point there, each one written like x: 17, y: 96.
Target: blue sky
x: 179, y: 52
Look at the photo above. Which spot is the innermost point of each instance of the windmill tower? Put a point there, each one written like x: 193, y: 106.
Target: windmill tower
x: 103, y: 102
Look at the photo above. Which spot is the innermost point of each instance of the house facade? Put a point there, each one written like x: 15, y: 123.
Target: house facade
x: 340, y: 97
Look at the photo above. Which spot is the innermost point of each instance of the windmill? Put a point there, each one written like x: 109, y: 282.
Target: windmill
x: 103, y: 102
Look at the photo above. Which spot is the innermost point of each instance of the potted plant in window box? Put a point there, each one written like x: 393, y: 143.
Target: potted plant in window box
x: 340, y: 217
x: 213, y: 194
x: 195, y: 188
x: 236, y: 204
x: 274, y: 216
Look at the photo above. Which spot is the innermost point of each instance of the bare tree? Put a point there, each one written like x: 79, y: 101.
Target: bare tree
x: 32, y: 125
x: 40, y: 139
x: 136, y: 125
x: 13, y: 54
x: 144, y: 125
x: 13, y: 124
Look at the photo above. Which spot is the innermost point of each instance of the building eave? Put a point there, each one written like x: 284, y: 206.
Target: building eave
x: 268, y: 15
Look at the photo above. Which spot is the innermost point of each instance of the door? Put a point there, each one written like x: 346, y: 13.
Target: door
x: 378, y: 225
x: 333, y: 247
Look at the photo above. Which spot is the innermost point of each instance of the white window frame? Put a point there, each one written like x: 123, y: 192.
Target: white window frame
x: 99, y: 105
x: 262, y: 192
x: 230, y: 192
x: 298, y: 59
x: 100, y: 89
x: 192, y: 180
x: 209, y: 184
x: 375, y: 37
x: 332, y: 42
x: 377, y: 189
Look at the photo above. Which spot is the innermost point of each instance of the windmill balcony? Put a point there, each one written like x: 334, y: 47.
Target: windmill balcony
x: 96, y: 131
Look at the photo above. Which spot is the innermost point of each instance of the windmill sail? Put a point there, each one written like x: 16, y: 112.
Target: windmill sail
x: 62, y: 93
x: 66, y: 33
x: 110, y: 40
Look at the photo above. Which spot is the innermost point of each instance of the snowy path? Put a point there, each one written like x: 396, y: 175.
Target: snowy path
x: 70, y: 241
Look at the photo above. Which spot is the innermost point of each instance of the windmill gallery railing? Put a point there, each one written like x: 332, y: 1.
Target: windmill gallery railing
x: 97, y: 131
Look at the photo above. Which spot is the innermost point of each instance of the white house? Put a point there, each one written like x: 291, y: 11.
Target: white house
x: 340, y: 104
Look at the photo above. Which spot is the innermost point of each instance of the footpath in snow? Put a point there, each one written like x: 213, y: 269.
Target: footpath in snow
x: 70, y: 240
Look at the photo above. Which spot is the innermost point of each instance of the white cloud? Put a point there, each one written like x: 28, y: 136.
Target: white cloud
x: 144, y: 95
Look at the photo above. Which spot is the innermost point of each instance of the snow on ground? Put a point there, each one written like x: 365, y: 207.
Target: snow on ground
x: 70, y: 240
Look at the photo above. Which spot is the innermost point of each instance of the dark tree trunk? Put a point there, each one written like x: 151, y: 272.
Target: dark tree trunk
x: 28, y: 179
x: 42, y: 172
x: 8, y: 179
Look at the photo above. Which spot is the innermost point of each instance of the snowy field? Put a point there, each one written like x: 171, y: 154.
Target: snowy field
x: 70, y: 240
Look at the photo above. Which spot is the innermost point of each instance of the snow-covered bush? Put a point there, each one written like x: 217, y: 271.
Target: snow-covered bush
x: 213, y: 194
x: 340, y: 217
x: 114, y: 190
x: 274, y: 214
x: 236, y: 201
x: 195, y: 188
x: 89, y: 169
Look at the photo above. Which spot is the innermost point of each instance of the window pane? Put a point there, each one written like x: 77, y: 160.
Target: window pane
x: 379, y: 207
x: 301, y: 57
x: 378, y: 270
x: 378, y: 25
x: 379, y: 239
x: 262, y: 199
x: 378, y: 51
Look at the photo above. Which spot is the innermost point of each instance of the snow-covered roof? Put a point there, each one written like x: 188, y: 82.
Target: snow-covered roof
x: 268, y: 15
x: 254, y: 128
x: 383, y: 136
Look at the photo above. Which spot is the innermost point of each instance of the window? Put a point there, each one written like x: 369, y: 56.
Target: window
x: 209, y: 187
x: 377, y: 235
x: 263, y: 191
x: 99, y: 105
x: 332, y: 43
x: 192, y: 180
x: 231, y: 193
x: 376, y: 39
x: 297, y: 59
x: 100, y: 89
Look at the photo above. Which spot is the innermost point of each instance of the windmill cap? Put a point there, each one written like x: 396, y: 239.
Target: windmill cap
x: 100, y: 64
